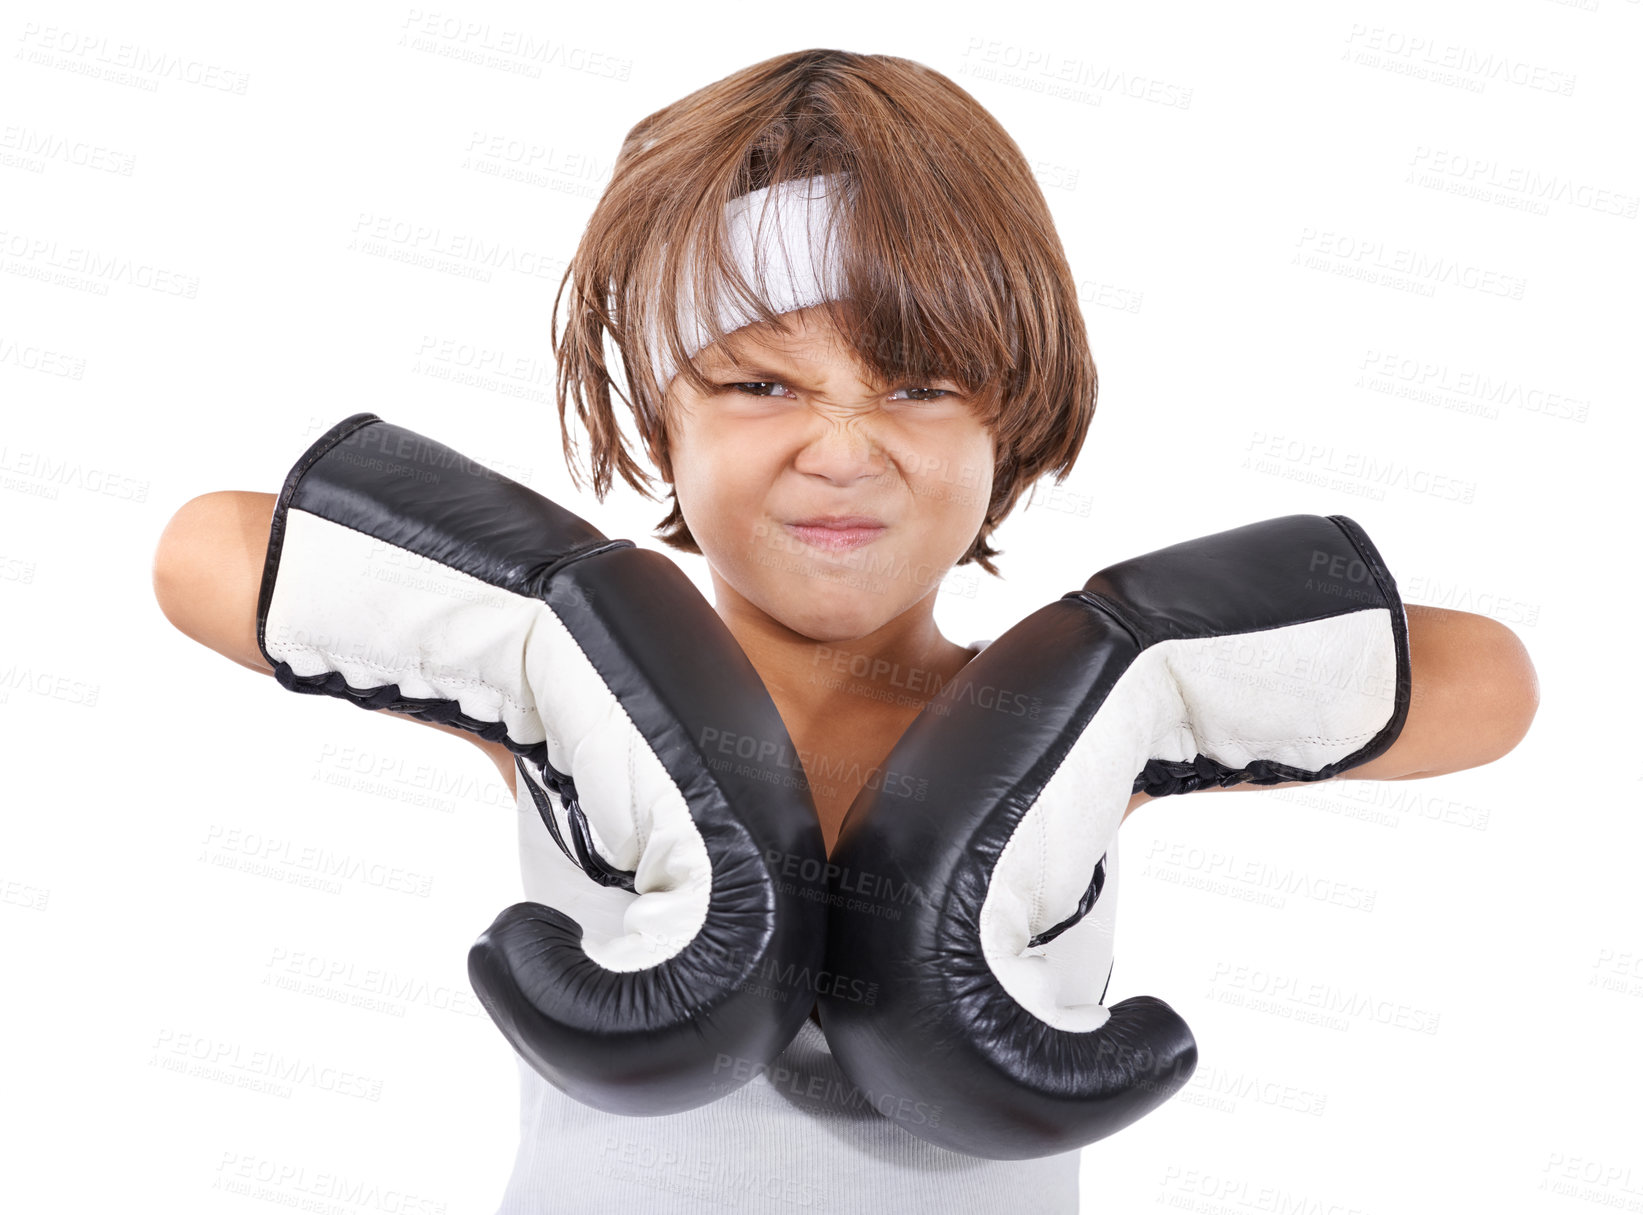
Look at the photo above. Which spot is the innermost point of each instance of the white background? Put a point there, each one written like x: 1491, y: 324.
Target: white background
x: 186, y: 303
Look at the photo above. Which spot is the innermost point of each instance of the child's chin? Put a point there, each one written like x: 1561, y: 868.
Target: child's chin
x: 836, y: 616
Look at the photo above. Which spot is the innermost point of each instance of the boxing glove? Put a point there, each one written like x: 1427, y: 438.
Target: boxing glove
x: 979, y: 893
x: 402, y: 575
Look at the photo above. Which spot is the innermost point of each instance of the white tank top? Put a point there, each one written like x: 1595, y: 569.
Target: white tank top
x: 799, y: 1138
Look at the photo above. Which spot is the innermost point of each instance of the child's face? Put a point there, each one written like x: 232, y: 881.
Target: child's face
x: 806, y: 436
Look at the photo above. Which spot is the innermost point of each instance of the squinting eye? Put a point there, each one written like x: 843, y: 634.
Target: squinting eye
x: 742, y: 388
x: 750, y: 387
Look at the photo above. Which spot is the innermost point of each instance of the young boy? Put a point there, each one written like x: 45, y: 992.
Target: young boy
x: 839, y: 431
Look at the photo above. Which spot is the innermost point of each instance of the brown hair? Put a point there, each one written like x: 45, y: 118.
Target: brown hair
x: 950, y: 259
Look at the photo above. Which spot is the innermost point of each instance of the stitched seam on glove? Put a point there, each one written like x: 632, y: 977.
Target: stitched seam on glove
x: 1267, y: 742
x: 1037, y: 908
x: 452, y: 680
x: 640, y: 835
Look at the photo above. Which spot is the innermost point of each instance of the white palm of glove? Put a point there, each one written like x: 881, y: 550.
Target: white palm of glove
x: 540, y: 685
x: 1304, y: 695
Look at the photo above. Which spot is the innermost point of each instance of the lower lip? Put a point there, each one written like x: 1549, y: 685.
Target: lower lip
x: 836, y: 539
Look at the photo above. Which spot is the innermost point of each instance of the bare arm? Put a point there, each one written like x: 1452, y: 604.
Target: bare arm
x: 1473, y: 694
x: 208, y: 572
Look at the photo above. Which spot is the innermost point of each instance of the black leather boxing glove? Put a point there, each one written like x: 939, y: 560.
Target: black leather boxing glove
x: 980, y: 898
x: 402, y: 575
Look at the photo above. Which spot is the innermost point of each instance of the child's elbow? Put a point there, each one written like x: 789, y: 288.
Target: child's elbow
x: 168, y: 567
x: 207, y: 572
x: 1509, y: 691
x: 1475, y: 693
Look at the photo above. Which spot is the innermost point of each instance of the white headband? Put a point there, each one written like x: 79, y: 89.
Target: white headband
x: 807, y: 273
